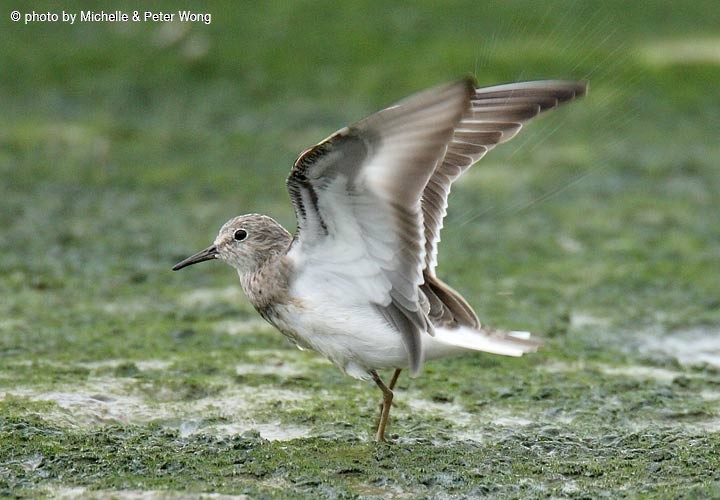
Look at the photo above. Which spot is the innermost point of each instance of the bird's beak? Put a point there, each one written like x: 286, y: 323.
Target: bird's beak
x: 209, y: 253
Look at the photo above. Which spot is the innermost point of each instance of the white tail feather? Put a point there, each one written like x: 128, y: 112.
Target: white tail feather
x: 519, y: 335
x: 504, y: 343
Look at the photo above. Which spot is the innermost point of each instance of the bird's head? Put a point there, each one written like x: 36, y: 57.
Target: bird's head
x: 244, y: 242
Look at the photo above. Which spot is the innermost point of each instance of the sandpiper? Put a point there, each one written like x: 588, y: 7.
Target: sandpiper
x: 357, y: 281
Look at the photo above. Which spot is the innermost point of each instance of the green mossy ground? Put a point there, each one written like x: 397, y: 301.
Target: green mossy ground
x: 124, y: 147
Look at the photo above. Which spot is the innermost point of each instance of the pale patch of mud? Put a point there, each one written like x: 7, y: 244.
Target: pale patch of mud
x: 374, y: 490
x: 451, y: 412
x: 467, y: 426
x: 569, y: 244
x: 710, y: 395
x: 203, y: 297
x: 68, y: 493
x: 236, y: 408
x: 278, y: 369
x: 243, y: 327
x: 288, y: 356
x: 21, y: 362
x: 142, y: 365
x: 272, y: 431
x: 103, y: 401
x: 662, y: 375
x: 153, y: 364
x: 12, y: 324
x: 241, y: 401
x: 105, y: 364
x: 126, y: 307
x: 283, y: 363
x: 116, y: 401
x: 712, y: 425
x: 656, y: 374
x: 694, y: 426
x: 270, y: 353
x: 584, y: 320
x: 494, y: 417
x: 511, y: 421
x: 682, y: 51
x: 696, y: 346
x: 563, y: 367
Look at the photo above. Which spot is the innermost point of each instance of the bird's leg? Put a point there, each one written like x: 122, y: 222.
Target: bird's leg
x: 391, y: 386
x: 387, y: 401
x: 395, y: 376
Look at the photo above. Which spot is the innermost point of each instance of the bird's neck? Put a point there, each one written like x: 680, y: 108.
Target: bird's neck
x: 268, y: 284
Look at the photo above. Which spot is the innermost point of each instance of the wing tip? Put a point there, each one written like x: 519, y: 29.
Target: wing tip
x: 565, y: 90
x: 470, y: 82
x: 584, y: 86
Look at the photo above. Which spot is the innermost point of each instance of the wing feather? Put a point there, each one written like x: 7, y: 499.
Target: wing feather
x: 496, y: 115
x: 357, y: 198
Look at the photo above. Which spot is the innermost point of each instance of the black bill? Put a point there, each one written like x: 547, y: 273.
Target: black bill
x: 209, y: 253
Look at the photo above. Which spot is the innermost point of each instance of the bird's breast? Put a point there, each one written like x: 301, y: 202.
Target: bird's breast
x: 268, y: 285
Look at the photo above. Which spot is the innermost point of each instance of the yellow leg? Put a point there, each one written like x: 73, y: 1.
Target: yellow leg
x: 395, y: 376
x: 391, y: 386
x: 386, y: 404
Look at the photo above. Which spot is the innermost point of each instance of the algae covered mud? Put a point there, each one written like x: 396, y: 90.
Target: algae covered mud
x: 119, y: 378
x: 276, y: 421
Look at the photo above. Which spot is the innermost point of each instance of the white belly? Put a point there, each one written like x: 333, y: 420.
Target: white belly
x: 354, y: 338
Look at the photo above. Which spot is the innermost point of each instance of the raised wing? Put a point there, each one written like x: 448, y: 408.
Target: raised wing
x: 357, y: 197
x: 497, y: 113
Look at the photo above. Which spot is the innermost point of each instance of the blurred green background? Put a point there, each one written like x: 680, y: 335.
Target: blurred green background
x: 124, y: 146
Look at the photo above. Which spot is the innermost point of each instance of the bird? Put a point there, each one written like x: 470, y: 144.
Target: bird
x: 357, y: 280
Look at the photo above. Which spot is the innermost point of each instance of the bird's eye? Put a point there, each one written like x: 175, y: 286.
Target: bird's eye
x: 240, y: 235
